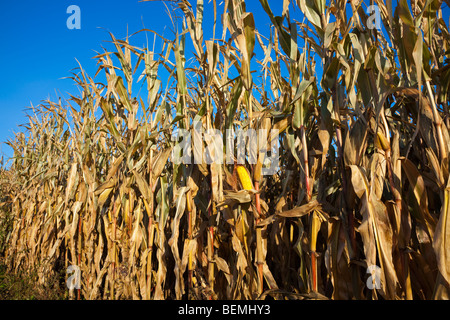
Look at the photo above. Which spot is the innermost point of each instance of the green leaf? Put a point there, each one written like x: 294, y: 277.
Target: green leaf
x: 277, y: 21
x: 308, y: 8
x: 233, y: 104
x: 320, y: 6
x: 364, y: 86
x: 249, y: 33
x: 442, y: 237
x: 329, y: 32
x: 123, y: 94
x: 304, y: 84
x: 420, y: 192
x: 181, y: 76
x: 404, y: 13
x: 418, y: 59
x: 330, y: 75
x: 357, y: 48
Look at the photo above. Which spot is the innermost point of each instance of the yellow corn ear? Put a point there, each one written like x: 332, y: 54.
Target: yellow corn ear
x: 257, y: 170
x: 188, y: 203
x: 244, y: 177
x: 147, y: 208
x: 104, y: 196
x: 315, y: 227
x: 126, y: 210
x: 190, y: 261
x: 383, y: 141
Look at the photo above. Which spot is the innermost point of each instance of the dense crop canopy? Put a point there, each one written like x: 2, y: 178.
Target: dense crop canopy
x: 356, y: 205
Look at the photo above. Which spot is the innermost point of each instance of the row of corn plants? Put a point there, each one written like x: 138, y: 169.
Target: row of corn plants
x: 362, y: 177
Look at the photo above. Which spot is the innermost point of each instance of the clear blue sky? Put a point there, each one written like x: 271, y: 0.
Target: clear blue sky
x: 38, y: 50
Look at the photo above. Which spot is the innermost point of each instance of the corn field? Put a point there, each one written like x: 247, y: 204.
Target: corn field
x: 362, y: 186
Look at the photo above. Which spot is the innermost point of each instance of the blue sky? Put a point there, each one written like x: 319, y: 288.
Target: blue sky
x: 38, y: 50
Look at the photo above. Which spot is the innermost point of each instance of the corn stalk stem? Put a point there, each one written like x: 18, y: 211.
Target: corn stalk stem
x: 190, y: 266
x: 210, y: 259
x: 394, y: 190
x: 151, y: 235
x: 398, y: 202
x: 305, y: 160
x: 79, y: 253
x: 150, y: 229
x: 438, y: 123
x: 259, y: 240
x: 339, y: 143
x: 408, y: 285
x: 113, y: 278
x: 211, y: 250
x: 66, y: 256
x: 314, y: 270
